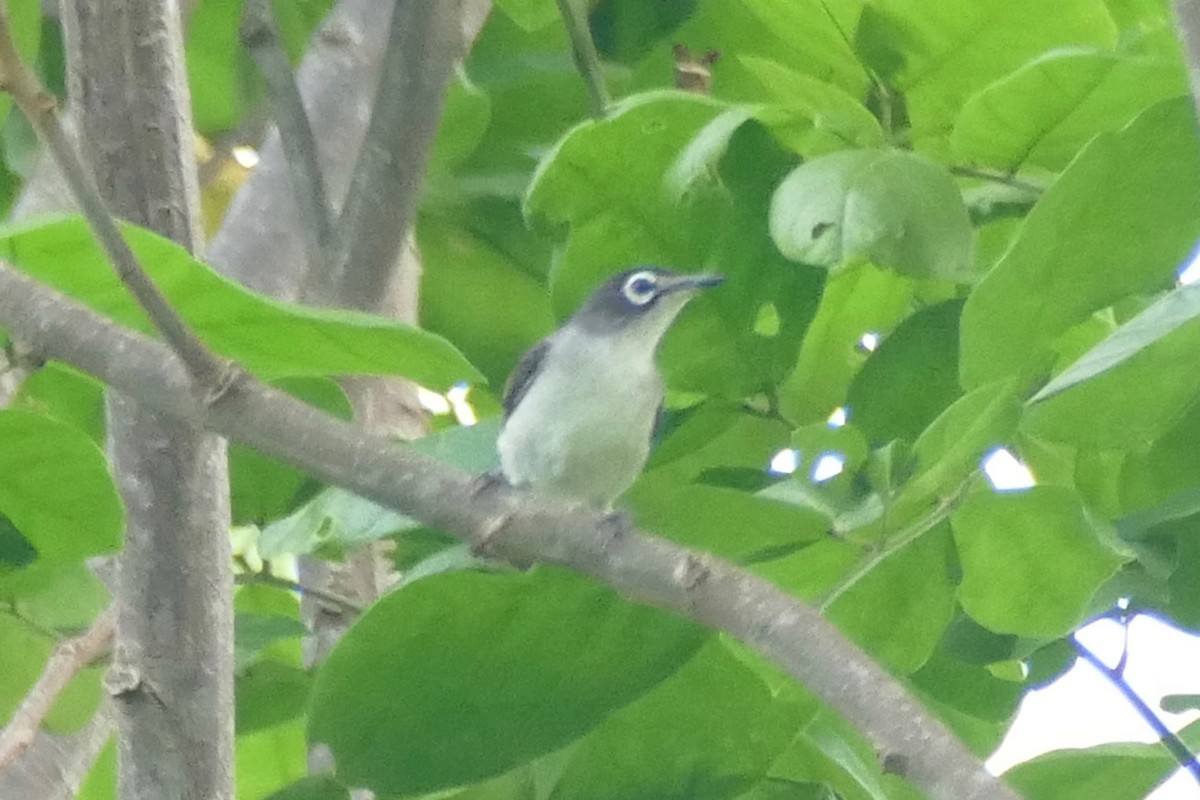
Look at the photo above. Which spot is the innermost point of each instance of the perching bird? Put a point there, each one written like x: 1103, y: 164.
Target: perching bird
x: 581, y: 405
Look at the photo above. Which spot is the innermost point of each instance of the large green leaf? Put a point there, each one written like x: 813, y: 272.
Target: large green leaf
x: 1031, y: 560
x: 1083, y: 247
x: 530, y: 14
x: 911, y: 378
x: 465, y: 675
x: 891, y: 208
x: 897, y: 611
x: 220, y: 73
x: 1042, y: 114
x: 271, y: 338
x: 810, y: 116
x: 1137, y: 397
x: 674, y: 742
x: 56, y: 489
x: 938, y: 54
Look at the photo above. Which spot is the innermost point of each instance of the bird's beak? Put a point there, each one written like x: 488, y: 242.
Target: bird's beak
x: 693, y: 283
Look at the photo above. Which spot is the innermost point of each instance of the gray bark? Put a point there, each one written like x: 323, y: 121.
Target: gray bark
x: 172, y: 674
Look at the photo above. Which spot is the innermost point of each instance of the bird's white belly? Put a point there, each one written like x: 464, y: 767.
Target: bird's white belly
x: 591, y: 439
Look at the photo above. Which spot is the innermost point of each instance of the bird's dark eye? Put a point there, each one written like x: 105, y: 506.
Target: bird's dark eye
x: 641, y: 288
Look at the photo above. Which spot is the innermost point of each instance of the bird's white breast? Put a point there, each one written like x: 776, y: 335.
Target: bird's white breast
x: 583, y: 428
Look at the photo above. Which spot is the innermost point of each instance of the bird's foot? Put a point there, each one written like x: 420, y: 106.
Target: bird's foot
x: 617, y: 524
x: 488, y: 481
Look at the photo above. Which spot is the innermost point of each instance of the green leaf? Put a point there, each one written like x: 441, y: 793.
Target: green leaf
x: 1168, y: 314
x: 220, y: 73
x: 1031, y: 560
x: 911, y: 378
x: 56, y: 490
x: 465, y: 118
x: 1080, y: 245
x: 1044, y: 113
x: 856, y: 301
x: 263, y: 488
x: 270, y: 693
x: 950, y: 449
x: 939, y: 54
x: 530, y: 14
x: 1130, y: 404
x: 254, y: 633
x: 727, y: 522
x: 674, y: 741
x: 313, y: 787
x: 897, y: 612
x: 25, y: 23
x: 808, y: 115
x: 269, y: 759
x: 895, y: 209
x: 65, y: 393
x: 464, y: 675
x: 1111, y: 771
x: 829, y: 750
x: 270, y: 338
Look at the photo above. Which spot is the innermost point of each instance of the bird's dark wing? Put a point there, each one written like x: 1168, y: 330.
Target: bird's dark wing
x: 522, y: 375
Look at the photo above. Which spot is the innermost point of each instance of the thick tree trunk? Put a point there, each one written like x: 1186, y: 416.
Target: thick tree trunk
x: 172, y: 674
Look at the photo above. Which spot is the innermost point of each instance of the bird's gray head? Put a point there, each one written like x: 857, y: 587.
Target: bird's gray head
x: 643, y: 300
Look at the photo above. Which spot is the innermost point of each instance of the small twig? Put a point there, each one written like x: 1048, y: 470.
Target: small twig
x: 1004, y: 178
x: 40, y: 107
x: 265, y: 578
x: 1173, y: 743
x: 587, y: 60
x: 892, y: 545
x: 260, y: 34
x: 68, y: 659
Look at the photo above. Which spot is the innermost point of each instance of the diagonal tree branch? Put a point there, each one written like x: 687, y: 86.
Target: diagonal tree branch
x: 518, y: 527
x: 381, y: 203
x: 1177, y: 748
x: 260, y: 35
x: 40, y: 108
x: 68, y: 659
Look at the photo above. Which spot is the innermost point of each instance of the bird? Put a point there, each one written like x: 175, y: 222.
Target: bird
x: 581, y: 405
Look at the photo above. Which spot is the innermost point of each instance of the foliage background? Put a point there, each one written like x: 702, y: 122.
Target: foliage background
x: 1002, y: 192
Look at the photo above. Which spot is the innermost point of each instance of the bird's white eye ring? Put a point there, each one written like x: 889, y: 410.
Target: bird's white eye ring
x: 640, y: 288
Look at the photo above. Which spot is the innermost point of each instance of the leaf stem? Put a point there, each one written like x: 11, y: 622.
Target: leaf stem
x: 887, y: 548
x: 587, y: 60
x: 994, y: 176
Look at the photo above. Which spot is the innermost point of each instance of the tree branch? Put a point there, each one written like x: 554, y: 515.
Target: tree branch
x: 1187, y: 25
x: 260, y: 34
x: 587, y: 60
x: 518, y: 527
x: 40, y: 108
x: 1173, y: 743
x: 68, y: 659
x: 381, y: 204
